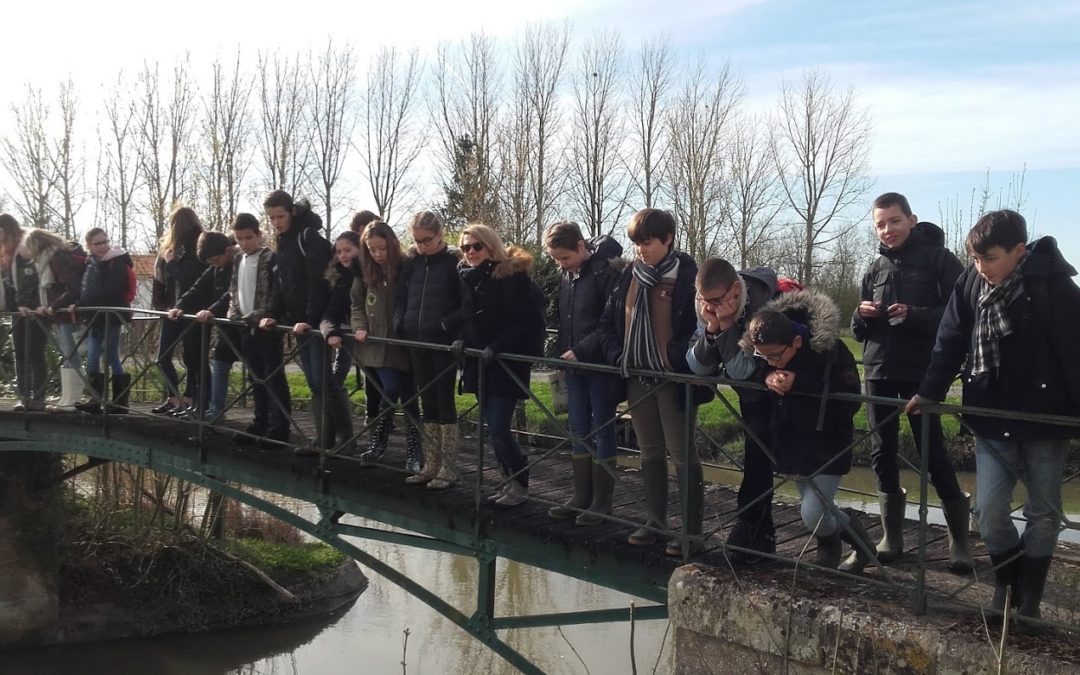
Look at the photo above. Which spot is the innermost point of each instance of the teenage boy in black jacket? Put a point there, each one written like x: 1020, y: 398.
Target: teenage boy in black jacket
x: 904, y: 293
x: 1007, y: 326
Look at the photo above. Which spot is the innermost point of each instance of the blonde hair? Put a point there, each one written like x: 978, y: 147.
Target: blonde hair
x: 38, y: 242
x: 489, y: 238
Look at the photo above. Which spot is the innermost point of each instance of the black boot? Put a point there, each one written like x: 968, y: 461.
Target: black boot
x: 121, y: 391
x: 655, y: 483
x: 97, y: 394
x: 1033, y: 572
x: 1006, y: 576
x: 603, y: 490
x: 341, y: 415
x: 378, y: 437
x: 694, y: 501
x: 829, y: 550
x: 413, y: 447
x: 582, y: 468
x: 855, y: 534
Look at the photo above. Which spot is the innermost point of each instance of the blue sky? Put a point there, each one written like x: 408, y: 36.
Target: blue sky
x: 954, y: 89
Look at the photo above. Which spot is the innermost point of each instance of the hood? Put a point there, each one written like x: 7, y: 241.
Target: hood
x: 114, y: 252
x: 520, y: 260
x: 923, y: 234
x: 762, y: 276
x: 336, y: 270
x: 1045, y: 260
x: 606, y: 251
x: 813, y: 309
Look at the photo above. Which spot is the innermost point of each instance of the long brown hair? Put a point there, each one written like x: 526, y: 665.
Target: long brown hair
x: 10, y: 232
x: 374, y: 273
x: 184, y: 227
x: 39, y: 242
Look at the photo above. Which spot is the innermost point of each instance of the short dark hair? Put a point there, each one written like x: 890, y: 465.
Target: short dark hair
x: 890, y: 199
x: 95, y: 232
x: 564, y: 234
x: 361, y: 219
x: 714, y: 273
x: 771, y: 327
x: 649, y: 224
x: 211, y: 244
x: 1004, y: 228
x: 278, y: 198
x: 428, y: 221
x: 245, y: 221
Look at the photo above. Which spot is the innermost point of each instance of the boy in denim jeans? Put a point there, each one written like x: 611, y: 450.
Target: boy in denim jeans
x: 1004, y: 321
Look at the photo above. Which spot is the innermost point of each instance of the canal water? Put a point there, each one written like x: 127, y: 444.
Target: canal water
x: 369, y: 637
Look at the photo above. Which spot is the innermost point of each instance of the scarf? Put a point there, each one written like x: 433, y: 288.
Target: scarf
x: 45, y: 276
x: 992, y: 321
x: 640, y: 349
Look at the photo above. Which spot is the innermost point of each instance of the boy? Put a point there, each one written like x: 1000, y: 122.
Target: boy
x: 904, y: 293
x: 726, y: 301
x: 250, y: 291
x: 1018, y: 358
x: 647, y: 325
x: 210, y: 297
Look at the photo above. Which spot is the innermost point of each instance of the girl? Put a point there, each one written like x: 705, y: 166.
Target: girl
x: 427, y: 297
x: 797, y: 337
x: 59, y: 272
x: 507, y: 315
x: 176, y: 270
x: 105, y: 284
x: 28, y: 333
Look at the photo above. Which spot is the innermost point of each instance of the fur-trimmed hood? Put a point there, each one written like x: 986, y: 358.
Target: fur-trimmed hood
x: 813, y: 309
x: 519, y: 260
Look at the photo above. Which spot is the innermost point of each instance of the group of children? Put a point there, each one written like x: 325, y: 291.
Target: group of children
x: 922, y: 317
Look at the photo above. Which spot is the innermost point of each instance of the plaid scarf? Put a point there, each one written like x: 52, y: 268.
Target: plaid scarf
x: 640, y: 349
x: 992, y: 321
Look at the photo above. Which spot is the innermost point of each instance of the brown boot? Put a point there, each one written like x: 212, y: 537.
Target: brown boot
x: 447, y: 473
x: 582, y: 468
x: 432, y: 455
x: 603, y: 489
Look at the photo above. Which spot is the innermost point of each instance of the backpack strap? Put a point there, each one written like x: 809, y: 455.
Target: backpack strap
x: 830, y: 361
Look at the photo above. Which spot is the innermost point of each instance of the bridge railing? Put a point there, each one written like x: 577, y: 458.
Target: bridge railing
x: 140, y: 361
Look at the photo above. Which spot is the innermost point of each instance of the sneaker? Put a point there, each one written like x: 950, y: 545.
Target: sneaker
x: 164, y: 409
x: 758, y: 538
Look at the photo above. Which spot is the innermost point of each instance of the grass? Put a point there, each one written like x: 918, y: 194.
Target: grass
x: 291, y: 561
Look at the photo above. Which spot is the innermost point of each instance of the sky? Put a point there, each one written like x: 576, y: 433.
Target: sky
x: 954, y: 89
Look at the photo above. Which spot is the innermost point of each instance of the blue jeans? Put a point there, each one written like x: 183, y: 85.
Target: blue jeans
x: 109, y: 338
x: 219, y: 385
x: 591, y: 401
x: 498, y: 414
x: 312, y: 351
x: 65, y: 336
x: 997, y: 466
x: 397, y: 385
x: 821, y: 507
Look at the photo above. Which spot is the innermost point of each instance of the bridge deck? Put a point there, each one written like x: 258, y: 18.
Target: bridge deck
x: 598, y: 553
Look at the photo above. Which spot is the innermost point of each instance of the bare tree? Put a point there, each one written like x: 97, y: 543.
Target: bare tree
x: 28, y: 159
x: 120, y: 179
x: 648, y: 101
x: 392, y: 139
x: 165, y: 130
x: 464, y: 113
x: 514, y: 190
x: 225, y: 133
x: 697, y: 123
x: 754, y: 193
x: 821, y: 149
x: 283, y: 97
x: 600, y: 187
x: 68, y: 167
x: 332, y: 111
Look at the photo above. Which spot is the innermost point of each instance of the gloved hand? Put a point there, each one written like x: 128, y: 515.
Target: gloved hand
x: 457, y: 348
x: 487, y: 357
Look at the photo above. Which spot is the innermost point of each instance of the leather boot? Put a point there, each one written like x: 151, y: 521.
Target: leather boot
x: 432, y: 455
x: 857, y: 535
x: 447, y: 473
x: 97, y: 390
x: 71, y: 388
x: 603, y: 490
x: 694, y: 501
x: 413, y: 447
x: 655, y: 484
x: 121, y: 392
x: 958, y: 518
x: 341, y: 415
x: 1033, y: 573
x: 582, y: 468
x: 893, y: 506
x: 379, y: 436
x: 829, y: 550
x: 1006, y: 576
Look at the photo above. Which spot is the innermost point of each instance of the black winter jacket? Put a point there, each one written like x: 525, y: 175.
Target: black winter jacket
x: 210, y: 291
x: 1039, y: 371
x: 920, y: 274
x: 582, y: 299
x: 338, y: 310
x: 430, y: 297
x: 105, y: 284
x: 808, y: 432
x: 181, y: 273
x: 300, y: 287
x: 507, y: 315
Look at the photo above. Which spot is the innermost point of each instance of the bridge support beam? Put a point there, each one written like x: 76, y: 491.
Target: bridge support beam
x: 30, y: 522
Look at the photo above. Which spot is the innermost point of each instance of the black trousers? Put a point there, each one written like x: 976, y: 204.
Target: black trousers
x: 31, y: 374
x: 263, y: 352
x: 436, y: 400
x: 757, y: 477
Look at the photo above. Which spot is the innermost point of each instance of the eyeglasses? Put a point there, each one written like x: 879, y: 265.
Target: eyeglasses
x: 103, y: 242
x: 713, y: 302
x: 475, y: 246
x: 775, y: 356
x: 425, y: 241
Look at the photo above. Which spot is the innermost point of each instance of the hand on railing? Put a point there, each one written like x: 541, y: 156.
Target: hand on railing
x: 268, y: 323
x: 301, y: 328
x: 204, y: 315
x: 361, y: 335
x: 569, y: 355
x: 175, y: 313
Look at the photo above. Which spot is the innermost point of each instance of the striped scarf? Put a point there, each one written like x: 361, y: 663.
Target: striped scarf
x: 640, y: 349
x: 992, y: 320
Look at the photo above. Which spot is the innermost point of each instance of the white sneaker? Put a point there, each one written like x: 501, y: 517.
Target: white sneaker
x: 515, y: 496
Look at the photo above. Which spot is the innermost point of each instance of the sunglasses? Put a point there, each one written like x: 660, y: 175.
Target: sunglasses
x: 475, y: 246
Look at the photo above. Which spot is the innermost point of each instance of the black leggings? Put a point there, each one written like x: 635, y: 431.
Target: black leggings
x: 437, y: 395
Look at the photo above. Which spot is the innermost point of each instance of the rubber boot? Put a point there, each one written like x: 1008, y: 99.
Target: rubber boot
x: 379, y: 436
x: 71, y: 388
x: 1033, y: 573
x: 413, y: 447
x: 582, y: 468
x: 694, y: 481
x: 322, y: 423
x: 857, y: 535
x: 97, y: 390
x: 447, y: 473
x: 341, y: 415
x: 121, y: 392
x: 603, y: 490
x: 829, y: 550
x: 958, y: 518
x: 1006, y: 576
x: 655, y: 484
x: 893, y: 505
x: 432, y: 455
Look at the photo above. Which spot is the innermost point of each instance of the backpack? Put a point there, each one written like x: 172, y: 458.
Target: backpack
x: 132, y: 286
x: 788, y: 285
